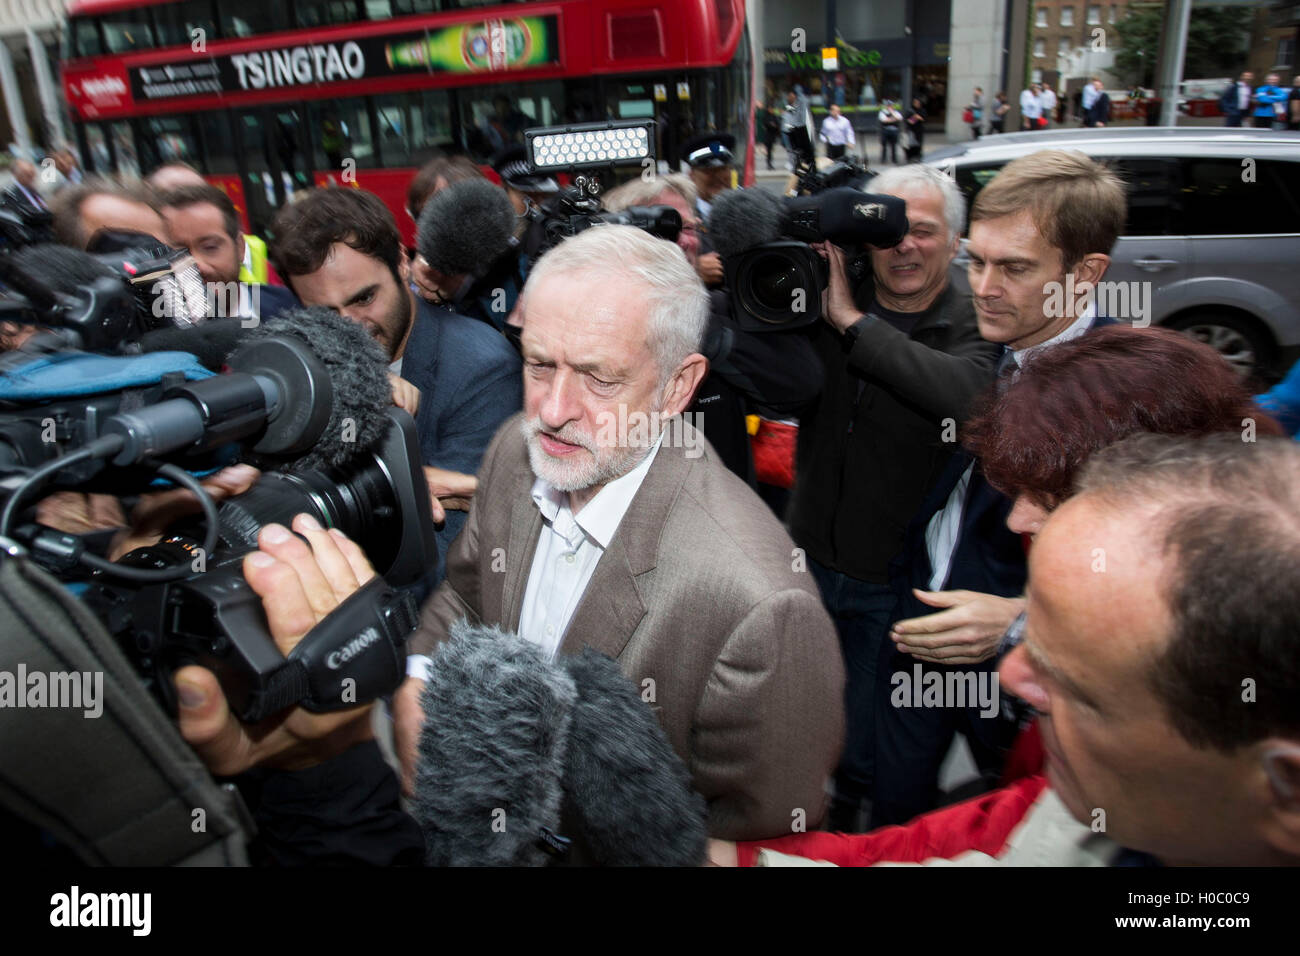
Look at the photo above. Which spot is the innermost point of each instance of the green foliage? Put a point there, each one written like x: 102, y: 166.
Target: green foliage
x: 1216, y: 42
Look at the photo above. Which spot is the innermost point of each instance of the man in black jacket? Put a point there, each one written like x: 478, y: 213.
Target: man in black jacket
x: 903, y: 360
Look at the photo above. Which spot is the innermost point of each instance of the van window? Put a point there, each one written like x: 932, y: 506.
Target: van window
x: 1151, y: 185
x: 1220, y: 198
x: 1153, y: 195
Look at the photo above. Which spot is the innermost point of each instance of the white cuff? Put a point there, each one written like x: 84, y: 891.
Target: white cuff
x: 417, y: 665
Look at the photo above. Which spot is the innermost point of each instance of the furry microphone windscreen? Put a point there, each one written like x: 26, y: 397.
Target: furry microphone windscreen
x: 625, y: 785
x: 466, y: 227
x: 358, y: 373
x: 743, y: 218
x: 488, y: 777
x: 61, y: 268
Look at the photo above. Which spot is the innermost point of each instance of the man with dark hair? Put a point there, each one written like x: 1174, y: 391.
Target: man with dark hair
x: 203, y: 220
x: 1047, y: 221
x: 176, y: 174
x: 80, y: 212
x: 1236, y: 99
x: 1165, y: 686
x: 340, y: 248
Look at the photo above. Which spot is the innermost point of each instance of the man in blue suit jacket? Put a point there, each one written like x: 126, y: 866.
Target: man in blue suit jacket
x: 340, y: 248
x: 959, y: 555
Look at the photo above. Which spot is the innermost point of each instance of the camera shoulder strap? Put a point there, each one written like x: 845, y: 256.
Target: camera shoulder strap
x: 86, y: 754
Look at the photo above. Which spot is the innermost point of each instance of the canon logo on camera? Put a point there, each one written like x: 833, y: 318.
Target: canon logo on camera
x: 351, y: 649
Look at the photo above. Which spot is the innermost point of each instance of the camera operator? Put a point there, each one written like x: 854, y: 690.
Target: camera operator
x: 340, y: 248
x: 317, y: 784
x: 899, y: 379
x: 777, y: 370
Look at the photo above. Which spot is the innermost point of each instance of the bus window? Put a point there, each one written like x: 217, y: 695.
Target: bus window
x: 492, y: 117
x: 176, y: 22
x: 128, y: 30
x: 85, y: 37
x: 167, y: 139
x: 322, y: 13
x: 97, y: 145
x: 246, y: 18
x: 128, y: 160
x: 340, y: 130
x: 403, y: 8
x: 410, y: 124
x: 218, y: 142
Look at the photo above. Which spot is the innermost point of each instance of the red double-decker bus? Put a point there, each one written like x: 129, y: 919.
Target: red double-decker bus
x: 267, y: 98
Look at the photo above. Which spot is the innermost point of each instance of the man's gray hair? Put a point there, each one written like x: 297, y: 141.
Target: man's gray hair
x: 679, y: 303
x: 643, y: 192
x: 916, y: 176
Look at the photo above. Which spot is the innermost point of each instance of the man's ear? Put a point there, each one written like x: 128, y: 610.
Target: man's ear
x: 239, y: 248
x: 404, y: 268
x: 681, y: 388
x: 1281, y: 764
x: 1091, y: 268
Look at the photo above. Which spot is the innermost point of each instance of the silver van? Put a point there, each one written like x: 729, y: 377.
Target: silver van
x: 1213, y: 225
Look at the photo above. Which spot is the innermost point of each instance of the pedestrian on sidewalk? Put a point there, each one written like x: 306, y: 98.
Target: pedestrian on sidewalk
x: 837, y: 133
x: 891, y: 124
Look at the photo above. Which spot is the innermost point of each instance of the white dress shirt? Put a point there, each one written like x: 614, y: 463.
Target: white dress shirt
x: 944, y: 528
x: 1031, y: 107
x: 568, y: 549
x: 837, y: 132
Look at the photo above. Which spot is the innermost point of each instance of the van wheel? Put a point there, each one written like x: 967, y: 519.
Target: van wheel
x: 1240, y: 339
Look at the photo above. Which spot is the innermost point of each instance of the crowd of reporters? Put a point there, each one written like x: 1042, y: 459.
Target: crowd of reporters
x: 938, y: 433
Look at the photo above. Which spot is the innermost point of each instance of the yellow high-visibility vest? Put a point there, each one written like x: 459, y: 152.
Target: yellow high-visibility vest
x: 254, y: 266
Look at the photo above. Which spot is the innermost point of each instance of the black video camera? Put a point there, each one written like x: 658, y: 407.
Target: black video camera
x: 184, y: 600
x: 212, y: 617
x: 777, y: 283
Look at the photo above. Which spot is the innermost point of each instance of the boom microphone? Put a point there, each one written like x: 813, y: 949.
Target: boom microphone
x: 743, y: 218
x: 516, y: 748
x: 847, y: 217
x: 466, y: 227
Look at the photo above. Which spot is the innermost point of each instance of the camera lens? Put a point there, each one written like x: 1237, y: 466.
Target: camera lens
x: 775, y: 279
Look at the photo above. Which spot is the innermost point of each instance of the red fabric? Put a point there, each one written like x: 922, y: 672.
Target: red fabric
x: 774, y: 453
x: 1026, y: 757
x: 981, y: 824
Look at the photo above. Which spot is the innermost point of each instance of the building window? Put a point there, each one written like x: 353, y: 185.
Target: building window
x: 1113, y: 13
x: 1063, y: 48
x: 1094, y: 14
x: 1285, y: 53
x: 1040, y: 47
x: 1040, y: 17
x: 1067, y: 16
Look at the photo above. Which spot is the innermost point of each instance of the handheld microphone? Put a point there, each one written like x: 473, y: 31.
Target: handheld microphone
x: 308, y: 389
x: 466, y: 227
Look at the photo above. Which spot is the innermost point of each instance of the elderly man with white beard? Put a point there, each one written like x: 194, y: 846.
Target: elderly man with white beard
x: 604, y: 521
